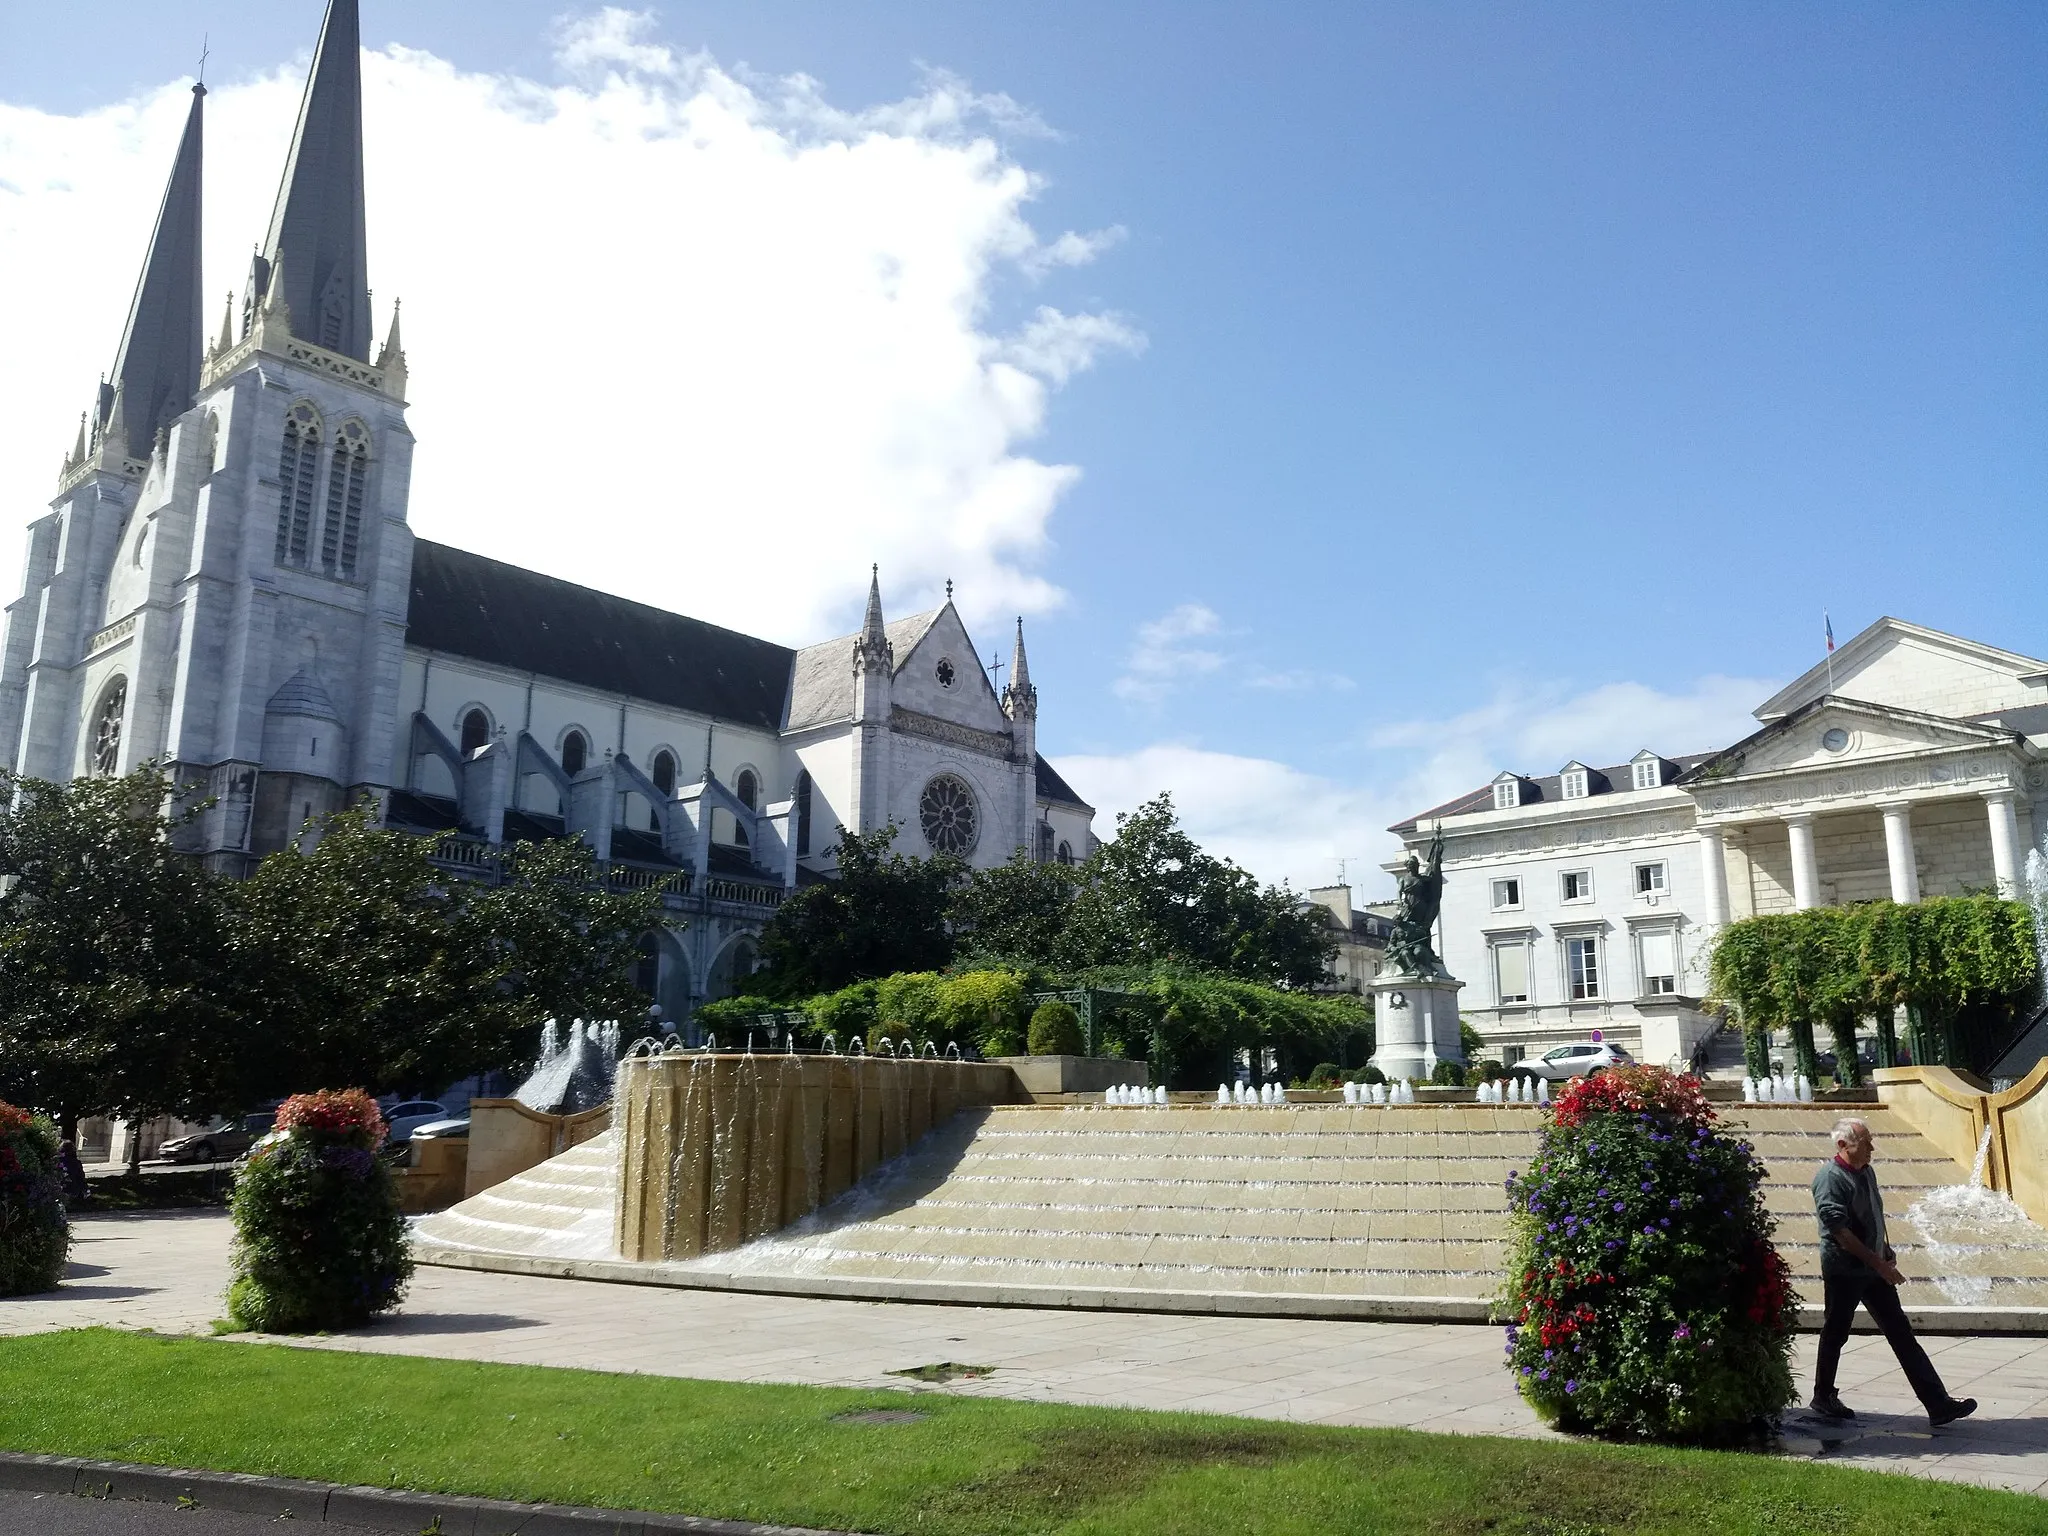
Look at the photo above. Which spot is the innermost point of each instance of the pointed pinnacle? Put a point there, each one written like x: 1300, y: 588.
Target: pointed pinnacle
x: 227, y: 325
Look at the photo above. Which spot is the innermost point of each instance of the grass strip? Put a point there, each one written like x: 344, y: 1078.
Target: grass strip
x: 967, y: 1465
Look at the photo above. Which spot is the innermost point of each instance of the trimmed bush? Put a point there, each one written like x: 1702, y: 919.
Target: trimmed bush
x: 1056, y: 1031
x: 987, y: 1009
x: 1368, y: 1075
x: 1447, y: 1074
x: 319, y: 1241
x: 35, y: 1235
x: 1325, y: 1074
x: 1648, y: 1301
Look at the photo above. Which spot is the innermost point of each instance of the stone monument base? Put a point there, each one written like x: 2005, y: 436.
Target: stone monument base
x: 1415, y: 1024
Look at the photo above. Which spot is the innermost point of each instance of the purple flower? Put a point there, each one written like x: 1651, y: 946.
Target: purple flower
x: 1675, y: 1204
x: 1683, y: 1331
x: 1528, y: 1370
x: 1612, y: 1244
x: 1571, y: 1386
x: 1543, y: 1375
x: 1664, y: 1221
x: 1621, y: 1205
x: 1646, y: 1186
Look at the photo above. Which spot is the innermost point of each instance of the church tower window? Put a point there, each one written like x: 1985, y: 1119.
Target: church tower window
x: 476, y: 731
x: 1045, y: 837
x: 803, y: 811
x: 748, y: 788
x: 298, y: 467
x: 575, y: 753
x: 341, y: 537
x: 1066, y: 853
x: 106, y: 729
x: 664, y: 777
x: 946, y: 810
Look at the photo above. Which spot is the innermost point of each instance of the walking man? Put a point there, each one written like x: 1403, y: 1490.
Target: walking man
x: 1856, y: 1267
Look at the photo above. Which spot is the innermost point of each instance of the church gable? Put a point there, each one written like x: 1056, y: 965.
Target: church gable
x: 1909, y: 667
x: 1837, y: 732
x: 939, y: 675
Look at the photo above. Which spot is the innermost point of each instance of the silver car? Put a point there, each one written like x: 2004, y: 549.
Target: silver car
x: 1586, y: 1059
x: 404, y: 1119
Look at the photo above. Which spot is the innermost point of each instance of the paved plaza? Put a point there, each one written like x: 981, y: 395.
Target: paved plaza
x: 167, y: 1272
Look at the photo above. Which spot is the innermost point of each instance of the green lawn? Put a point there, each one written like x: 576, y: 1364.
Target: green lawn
x: 971, y: 1466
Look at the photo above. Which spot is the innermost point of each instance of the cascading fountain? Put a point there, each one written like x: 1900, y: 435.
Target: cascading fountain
x: 1968, y: 1229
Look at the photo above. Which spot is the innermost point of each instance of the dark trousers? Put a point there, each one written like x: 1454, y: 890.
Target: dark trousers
x: 1842, y: 1295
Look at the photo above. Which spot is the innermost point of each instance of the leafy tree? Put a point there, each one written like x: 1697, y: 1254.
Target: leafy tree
x: 885, y: 913
x: 1151, y: 895
x: 366, y: 965
x: 109, y: 947
x: 1018, y: 909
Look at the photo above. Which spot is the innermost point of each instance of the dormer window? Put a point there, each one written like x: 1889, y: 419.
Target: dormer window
x: 1507, y: 792
x: 1572, y: 781
x: 1647, y: 770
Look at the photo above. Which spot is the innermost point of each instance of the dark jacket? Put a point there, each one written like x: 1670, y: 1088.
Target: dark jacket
x: 1845, y: 1197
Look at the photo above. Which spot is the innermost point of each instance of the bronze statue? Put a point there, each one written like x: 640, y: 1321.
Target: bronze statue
x: 1421, y: 887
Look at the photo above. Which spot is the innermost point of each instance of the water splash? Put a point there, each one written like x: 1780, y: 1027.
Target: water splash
x: 1970, y: 1234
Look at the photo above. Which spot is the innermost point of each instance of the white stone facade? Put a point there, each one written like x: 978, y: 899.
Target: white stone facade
x: 1917, y: 765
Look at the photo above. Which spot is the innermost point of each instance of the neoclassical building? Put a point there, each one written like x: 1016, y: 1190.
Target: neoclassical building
x: 1913, y: 763
x: 227, y: 582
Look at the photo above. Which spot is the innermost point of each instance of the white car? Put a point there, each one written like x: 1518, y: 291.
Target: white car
x: 404, y: 1119
x: 1582, y: 1060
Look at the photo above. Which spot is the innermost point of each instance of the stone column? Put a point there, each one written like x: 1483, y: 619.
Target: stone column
x: 1898, y: 849
x: 1805, y: 872
x: 2005, y: 841
x: 1714, y: 870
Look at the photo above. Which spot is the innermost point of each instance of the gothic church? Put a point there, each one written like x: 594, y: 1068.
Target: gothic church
x: 227, y: 583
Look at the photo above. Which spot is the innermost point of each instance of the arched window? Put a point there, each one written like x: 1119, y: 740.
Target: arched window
x: 664, y: 777
x: 476, y: 731
x: 106, y: 728
x: 748, y: 788
x: 575, y: 753
x: 297, y: 468
x: 1045, y: 842
x: 1066, y: 853
x: 803, y: 811
x: 341, y: 535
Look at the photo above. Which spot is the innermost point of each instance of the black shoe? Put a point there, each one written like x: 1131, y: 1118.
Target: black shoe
x: 1955, y: 1408
x: 1833, y: 1408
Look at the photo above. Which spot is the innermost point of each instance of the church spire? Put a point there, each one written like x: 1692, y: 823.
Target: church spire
x: 1019, y: 697
x: 156, y: 373
x: 319, y: 212
x: 872, y: 651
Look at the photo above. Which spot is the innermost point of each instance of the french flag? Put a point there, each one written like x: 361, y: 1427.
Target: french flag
x: 1829, y: 625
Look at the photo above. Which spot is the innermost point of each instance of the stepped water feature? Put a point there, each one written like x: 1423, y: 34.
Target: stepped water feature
x: 1972, y: 1235
x: 1317, y: 1208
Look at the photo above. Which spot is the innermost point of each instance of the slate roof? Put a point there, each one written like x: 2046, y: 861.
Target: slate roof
x: 1549, y: 789
x: 489, y: 611
x: 1052, y: 787
x: 301, y: 694
x: 157, y: 369
x: 821, y: 679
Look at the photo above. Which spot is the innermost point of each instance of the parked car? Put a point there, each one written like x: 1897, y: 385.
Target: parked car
x: 456, y: 1129
x: 221, y: 1142
x: 1581, y: 1060
x: 404, y: 1119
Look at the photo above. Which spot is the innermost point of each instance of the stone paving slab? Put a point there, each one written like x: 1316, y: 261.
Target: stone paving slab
x: 168, y: 1271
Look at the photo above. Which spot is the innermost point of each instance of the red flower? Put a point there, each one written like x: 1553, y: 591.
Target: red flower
x: 332, y: 1113
x: 12, y: 1121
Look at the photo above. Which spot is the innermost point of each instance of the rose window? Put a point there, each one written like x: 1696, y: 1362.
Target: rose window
x: 947, y: 812
x: 944, y: 671
x: 106, y: 730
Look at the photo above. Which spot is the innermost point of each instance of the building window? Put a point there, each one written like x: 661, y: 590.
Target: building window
x: 106, y: 728
x: 946, y: 810
x: 476, y: 731
x: 1657, y: 953
x: 1649, y: 772
x: 1511, y: 973
x: 575, y: 753
x: 803, y: 811
x: 1650, y: 879
x: 341, y: 536
x: 664, y: 779
x: 1507, y: 894
x: 297, y: 468
x: 1577, y: 884
x: 1045, y: 842
x: 748, y: 787
x: 944, y: 672
x: 1507, y: 794
x: 1066, y: 853
x: 1574, y: 784
x: 1582, y: 968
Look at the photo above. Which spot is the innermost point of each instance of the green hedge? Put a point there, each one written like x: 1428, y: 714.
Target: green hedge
x: 1056, y: 1030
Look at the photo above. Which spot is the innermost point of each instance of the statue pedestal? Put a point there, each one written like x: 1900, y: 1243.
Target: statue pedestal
x: 1415, y: 1018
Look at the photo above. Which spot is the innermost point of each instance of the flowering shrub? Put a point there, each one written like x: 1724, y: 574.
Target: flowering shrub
x: 35, y: 1236
x: 319, y: 1240
x: 1646, y: 1297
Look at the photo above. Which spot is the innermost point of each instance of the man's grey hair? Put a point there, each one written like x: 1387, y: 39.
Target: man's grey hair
x: 1849, y: 1129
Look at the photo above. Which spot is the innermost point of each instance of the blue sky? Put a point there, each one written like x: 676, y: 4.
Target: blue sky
x: 1469, y: 386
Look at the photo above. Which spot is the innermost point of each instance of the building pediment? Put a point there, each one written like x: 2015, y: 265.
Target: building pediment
x: 1853, y: 751
x: 1908, y: 666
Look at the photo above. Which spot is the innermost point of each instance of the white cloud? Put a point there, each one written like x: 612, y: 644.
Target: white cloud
x: 1165, y: 656
x: 674, y: 332
x: 1283, y: 823
x: 1300, y: 680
